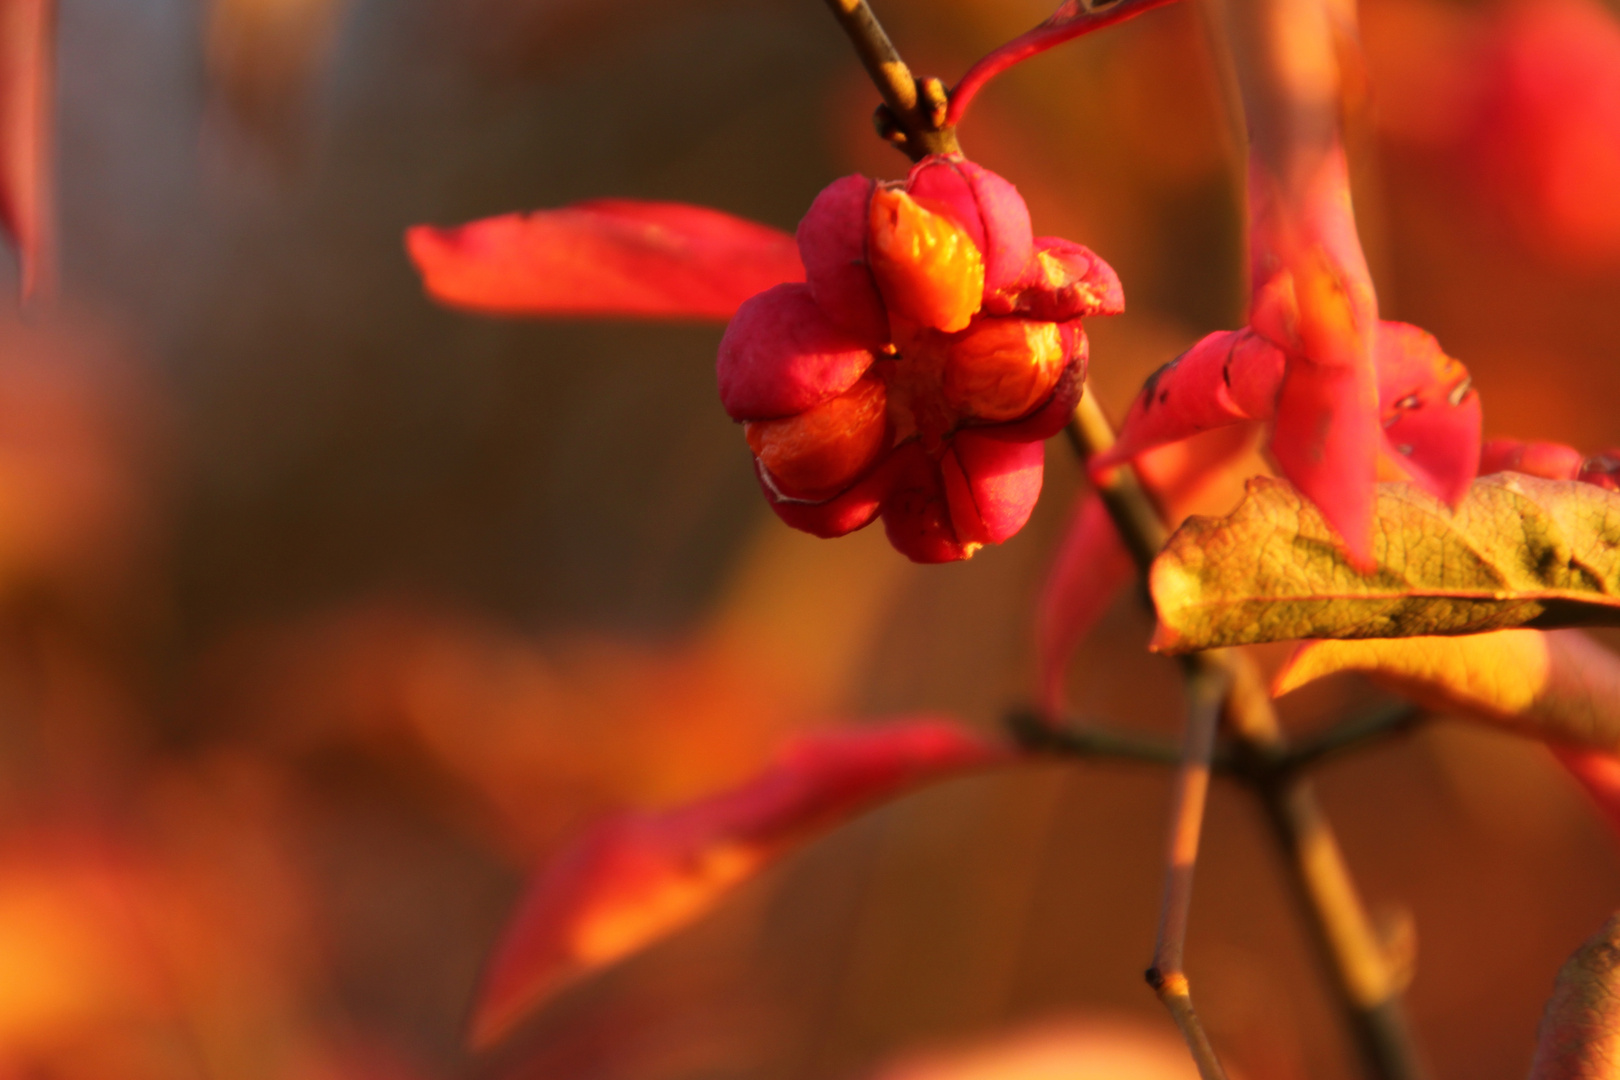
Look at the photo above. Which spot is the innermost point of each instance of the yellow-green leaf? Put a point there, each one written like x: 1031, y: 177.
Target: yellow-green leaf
x: 1517, y: 551
x: 1580, y: 1031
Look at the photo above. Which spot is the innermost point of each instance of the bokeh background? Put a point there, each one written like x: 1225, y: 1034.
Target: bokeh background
x: 326, y: 613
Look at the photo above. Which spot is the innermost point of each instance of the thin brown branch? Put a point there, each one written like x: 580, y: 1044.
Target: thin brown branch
x: 1368, y: 989
x: 1206, y: 690
x: 913, y: 113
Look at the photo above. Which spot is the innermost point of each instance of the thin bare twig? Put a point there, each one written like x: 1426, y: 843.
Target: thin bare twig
x: 913, y: 114
x: 1206, y: 690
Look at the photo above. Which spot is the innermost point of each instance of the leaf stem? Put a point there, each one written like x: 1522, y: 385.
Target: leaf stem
x: 913, y: 114
x: 1073, y: 19
x: 1368, y: 989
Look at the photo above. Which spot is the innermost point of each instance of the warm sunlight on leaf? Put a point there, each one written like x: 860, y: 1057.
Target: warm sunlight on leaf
x: 606, y: 257
x: 638, y: 876
x: 1558, y: 685
x: 1517, y: 551
x: 1580, y: 1031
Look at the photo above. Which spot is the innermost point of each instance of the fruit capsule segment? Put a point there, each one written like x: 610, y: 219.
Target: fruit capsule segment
x: 1001, y: 369
x: 926, y: 265
x: 820, y: 452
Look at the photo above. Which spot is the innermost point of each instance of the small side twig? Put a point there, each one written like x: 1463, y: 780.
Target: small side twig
x: 913, y: 114
x: 1035, y: 733
x: 1206, y: 690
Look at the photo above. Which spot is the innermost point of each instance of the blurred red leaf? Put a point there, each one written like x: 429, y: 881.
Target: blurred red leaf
x: 27, y: 33
x: 638, y: 876
x: 605, y: 257
x: 1516, y: 102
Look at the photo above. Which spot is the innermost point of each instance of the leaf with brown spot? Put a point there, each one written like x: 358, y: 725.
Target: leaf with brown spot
x: 1517, y: 551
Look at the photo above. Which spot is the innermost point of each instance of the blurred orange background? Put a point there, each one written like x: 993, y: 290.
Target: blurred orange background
x: 325, y: 613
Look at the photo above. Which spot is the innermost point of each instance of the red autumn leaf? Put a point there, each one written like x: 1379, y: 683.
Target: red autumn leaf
x: 638, y: 876
x: 1429, y: 414
x: 605, y: 257
x: 27, y: 32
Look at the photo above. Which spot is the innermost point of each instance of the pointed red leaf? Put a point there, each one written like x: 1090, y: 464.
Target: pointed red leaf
x: 639, y: 876
x: 606, y: 257
x: 27, y: 32
x: 1228, y: 377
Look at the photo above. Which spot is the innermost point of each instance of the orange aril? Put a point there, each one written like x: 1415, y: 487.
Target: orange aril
x: 926, y: 265
x: 1001, y: 369
x: 819, y: 452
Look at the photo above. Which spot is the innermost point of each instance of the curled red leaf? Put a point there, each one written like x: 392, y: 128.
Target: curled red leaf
x: 638, y: 876
x: 606, y: 257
